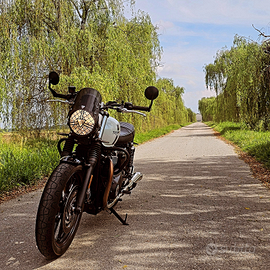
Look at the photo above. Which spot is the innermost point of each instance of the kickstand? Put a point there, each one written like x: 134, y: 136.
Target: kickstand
x: 124, y: 222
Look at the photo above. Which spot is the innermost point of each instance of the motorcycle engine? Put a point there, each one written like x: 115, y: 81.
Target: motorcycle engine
x: 118, y: 158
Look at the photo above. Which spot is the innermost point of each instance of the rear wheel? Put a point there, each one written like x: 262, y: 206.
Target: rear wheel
x: 57, y: 219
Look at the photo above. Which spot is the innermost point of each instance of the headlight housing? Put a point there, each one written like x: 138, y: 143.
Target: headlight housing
x: 81, y: 122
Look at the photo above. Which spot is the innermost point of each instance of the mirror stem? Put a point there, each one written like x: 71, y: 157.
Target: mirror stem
x: 68, y: 97
x: 52, y: 91
x: 150, y: 105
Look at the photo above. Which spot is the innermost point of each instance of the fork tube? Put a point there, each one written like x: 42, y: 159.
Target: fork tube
x: 93, y: 157
x: 82, y: 191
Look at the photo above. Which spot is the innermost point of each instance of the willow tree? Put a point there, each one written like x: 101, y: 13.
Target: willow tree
x: 42, y: 35
x: 89, y: 42
x: 207, y: 107
x: 240, y: 79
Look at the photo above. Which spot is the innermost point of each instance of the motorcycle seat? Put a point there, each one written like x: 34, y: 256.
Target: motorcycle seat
x: 127, y: 133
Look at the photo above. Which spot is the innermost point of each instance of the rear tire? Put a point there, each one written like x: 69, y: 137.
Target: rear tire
x: 57, y: 220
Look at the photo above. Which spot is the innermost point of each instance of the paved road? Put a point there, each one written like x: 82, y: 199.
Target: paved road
x: 198, y: 207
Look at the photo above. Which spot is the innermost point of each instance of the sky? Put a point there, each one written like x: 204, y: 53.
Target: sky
x: 191, y: 32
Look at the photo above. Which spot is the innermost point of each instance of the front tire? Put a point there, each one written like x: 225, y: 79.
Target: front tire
x: 57, y: 219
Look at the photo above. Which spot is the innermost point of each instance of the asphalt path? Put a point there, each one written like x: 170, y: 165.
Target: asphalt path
x: 197, y: 207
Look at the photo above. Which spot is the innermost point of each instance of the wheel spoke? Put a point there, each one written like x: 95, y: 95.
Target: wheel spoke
x: 57, y: 227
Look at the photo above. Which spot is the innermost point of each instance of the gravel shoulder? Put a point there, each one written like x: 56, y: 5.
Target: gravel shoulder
x: 197, y: 207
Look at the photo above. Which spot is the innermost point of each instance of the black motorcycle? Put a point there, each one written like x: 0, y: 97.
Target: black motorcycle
x: 95, y: 170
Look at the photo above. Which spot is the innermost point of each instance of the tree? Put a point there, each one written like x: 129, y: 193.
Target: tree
x: 90, y: 43
x: 240, y: 78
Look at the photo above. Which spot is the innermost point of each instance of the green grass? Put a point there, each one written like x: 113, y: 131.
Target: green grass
x: 25, y: 162
x: 255, y: 143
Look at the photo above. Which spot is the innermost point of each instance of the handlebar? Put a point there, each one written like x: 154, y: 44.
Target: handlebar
x: 140, y: 108
x: 124, y: 107
x: 150, y: 93
x: 128, y: 106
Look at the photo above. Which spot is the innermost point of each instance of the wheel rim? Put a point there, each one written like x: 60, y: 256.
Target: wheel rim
x: 67, y: 218
x: 69, y: 213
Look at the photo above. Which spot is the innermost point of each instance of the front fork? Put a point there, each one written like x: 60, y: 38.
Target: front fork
x: 93, y: 158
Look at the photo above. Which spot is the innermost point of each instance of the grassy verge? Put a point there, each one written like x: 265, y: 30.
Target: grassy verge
x: 255, y: 143
x: 26, y: 162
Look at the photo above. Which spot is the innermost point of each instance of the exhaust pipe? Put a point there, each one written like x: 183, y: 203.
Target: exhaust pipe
x: 136, y: 178
x: 108, y: 187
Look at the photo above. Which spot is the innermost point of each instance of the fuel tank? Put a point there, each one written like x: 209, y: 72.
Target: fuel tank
x: 111, y: 132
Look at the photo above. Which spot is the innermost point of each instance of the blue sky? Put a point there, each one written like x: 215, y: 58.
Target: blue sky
x: 192, y: 31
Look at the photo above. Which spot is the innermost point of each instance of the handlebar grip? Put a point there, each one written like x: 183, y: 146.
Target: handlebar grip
x: 140, y: 108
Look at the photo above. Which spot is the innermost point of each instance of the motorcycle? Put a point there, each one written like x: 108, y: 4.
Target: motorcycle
x: 95, y: 170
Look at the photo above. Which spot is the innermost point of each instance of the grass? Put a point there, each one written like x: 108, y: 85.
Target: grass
x: 255, y: 143
x: 26, y: 161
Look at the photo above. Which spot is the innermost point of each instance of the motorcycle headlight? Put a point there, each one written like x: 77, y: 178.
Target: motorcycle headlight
x: 81, y: 122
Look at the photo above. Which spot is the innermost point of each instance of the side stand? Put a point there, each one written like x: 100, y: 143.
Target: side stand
x: 124, y: 222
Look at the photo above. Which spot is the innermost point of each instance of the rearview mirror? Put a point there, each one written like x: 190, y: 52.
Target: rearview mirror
x: 53, y: 78
x: 151, y: 92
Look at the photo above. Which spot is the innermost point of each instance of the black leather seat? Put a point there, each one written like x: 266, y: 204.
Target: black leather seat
x: 127, y: 133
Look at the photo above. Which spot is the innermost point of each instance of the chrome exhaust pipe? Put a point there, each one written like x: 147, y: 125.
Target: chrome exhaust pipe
x: 135, y: 178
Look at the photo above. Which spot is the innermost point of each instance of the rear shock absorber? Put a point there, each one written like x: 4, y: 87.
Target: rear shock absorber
x: 131, y: 151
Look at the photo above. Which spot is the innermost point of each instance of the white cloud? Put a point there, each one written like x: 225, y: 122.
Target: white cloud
x: 192, y: 31
x: 164, y: 26
x: 208, y: 11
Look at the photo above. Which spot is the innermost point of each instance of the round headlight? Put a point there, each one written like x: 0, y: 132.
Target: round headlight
x: 81, y: 122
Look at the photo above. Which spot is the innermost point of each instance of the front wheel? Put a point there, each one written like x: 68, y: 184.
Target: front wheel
x: 57, y: 219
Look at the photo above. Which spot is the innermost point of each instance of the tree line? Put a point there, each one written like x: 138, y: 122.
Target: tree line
x: 240, y: 77
x: 91, y: 44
